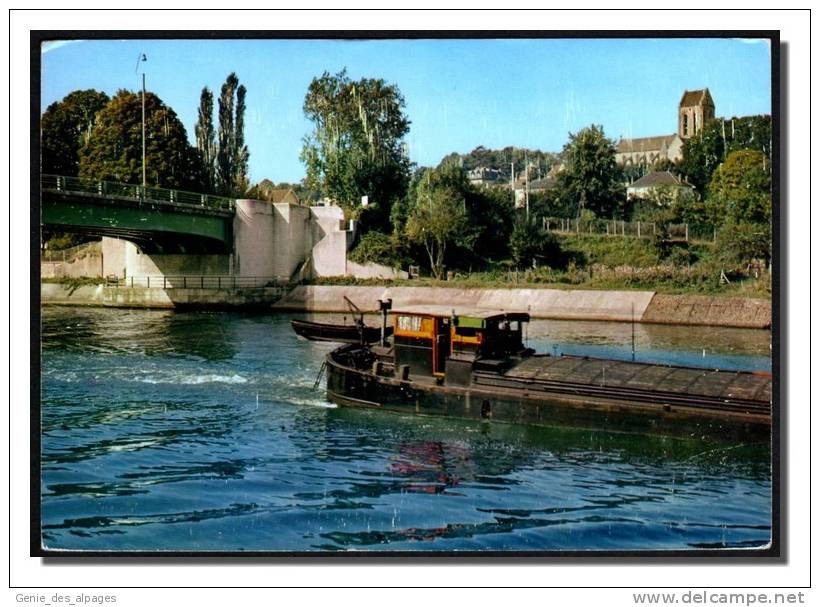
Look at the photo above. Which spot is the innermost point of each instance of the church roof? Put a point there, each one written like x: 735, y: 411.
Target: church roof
x: 699, y: 97
x: 657, y: 178
x: 644, y: 144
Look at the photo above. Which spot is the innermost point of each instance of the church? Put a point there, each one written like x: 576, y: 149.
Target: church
x: 695, y: 109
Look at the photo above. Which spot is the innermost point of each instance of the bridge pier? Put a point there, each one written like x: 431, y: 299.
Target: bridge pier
x: 123, y: 259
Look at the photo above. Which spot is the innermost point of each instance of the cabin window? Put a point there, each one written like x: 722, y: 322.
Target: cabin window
x: 409, y: 323
x: 466, y: 331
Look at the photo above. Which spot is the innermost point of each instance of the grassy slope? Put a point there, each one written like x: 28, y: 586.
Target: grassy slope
x: 603, y: 262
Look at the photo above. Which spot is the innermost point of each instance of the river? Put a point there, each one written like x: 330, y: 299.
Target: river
x: 202, y: 431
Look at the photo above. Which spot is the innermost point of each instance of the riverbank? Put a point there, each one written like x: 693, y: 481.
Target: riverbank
x: 559, y: 304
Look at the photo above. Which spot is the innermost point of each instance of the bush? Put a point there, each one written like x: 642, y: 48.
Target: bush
x: 378, y: 247
x: 742, y: 243
x: 529, y: 243
x: 680, y: 256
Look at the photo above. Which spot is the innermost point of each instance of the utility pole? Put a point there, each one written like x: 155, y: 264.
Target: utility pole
x: 512, y: 183
x: 527, y: 184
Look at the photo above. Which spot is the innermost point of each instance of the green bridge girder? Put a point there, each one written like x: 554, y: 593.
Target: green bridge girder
x: 154, y: 226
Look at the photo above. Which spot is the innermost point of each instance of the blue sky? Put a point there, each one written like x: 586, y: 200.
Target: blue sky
x: 459, y: 93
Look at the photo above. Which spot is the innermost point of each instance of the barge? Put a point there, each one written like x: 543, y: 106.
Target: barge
x: 472, y: 363
x: 358, y: 333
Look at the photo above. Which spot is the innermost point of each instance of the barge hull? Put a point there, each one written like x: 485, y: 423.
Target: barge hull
x: 354, y: 387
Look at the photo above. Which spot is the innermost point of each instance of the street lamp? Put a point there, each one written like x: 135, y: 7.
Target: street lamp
x: 142, y: 57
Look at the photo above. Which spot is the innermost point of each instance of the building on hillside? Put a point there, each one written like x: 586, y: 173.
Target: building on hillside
x: 265, y: 190
x: 522, y: 189
x: 648, y: 150
x: 695, y: 109
x: 485, y: 176
x: 649, y: 184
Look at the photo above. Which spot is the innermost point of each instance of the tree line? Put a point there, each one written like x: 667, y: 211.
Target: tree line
x: 435, y: 217
x: 355, y: 156
x: 89, y: 135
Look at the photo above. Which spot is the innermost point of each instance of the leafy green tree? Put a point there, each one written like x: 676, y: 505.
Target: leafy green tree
x: 114, y: 150
x: 740, y: 243
x: 356, y: 147
x: 438, y: 218
x: 591, y: 178
x: 552, y: 203
x: 205, y: 142
x: 530, y: 244
x: 491, y: 212
x: 741, y: 187
x: 66, y: 127
x: 232, y: 153
x: 712, y: 145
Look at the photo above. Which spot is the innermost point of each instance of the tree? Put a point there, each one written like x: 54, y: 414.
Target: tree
x: 742, y: 242
x: 438, y: 218
x: 66, y: 127
x: 712, y: 145
x: 591, y: 178
x: 490, y: 212
x: 232, y: 153
x: 114, y: 150
x: 205, y: 142
x: 741, y: 187
x: 240, y: 150
x: 356, y: 146
x: 530, y: 243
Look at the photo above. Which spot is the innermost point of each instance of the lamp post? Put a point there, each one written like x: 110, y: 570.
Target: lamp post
x: 140, y: 59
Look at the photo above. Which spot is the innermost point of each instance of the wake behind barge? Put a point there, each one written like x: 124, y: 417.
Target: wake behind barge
x: 472, y: 363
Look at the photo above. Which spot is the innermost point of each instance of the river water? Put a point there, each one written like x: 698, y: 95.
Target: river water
x: 202, y: 431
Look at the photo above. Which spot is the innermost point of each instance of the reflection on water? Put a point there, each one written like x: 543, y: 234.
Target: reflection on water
x: 202, y: 431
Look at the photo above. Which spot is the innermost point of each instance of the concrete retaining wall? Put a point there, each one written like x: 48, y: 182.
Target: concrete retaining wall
x: 373, y: 270
x: 90, y: 265
x: 541, y: 303
x: 707, y: 310
x: 81, y: 296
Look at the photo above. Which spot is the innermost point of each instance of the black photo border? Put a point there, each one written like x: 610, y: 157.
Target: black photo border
x: 774, y: 553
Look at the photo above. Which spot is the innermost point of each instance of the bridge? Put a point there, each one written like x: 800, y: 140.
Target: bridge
x: 158, y: 220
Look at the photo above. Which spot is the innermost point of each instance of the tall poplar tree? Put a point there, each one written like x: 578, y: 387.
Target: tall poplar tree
x: 232, y: 153
x: 240, y: 149
x: 205, y: 141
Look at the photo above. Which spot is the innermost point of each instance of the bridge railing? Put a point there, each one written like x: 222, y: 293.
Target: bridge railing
x: 194, y: 282
x: 136, y: 193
